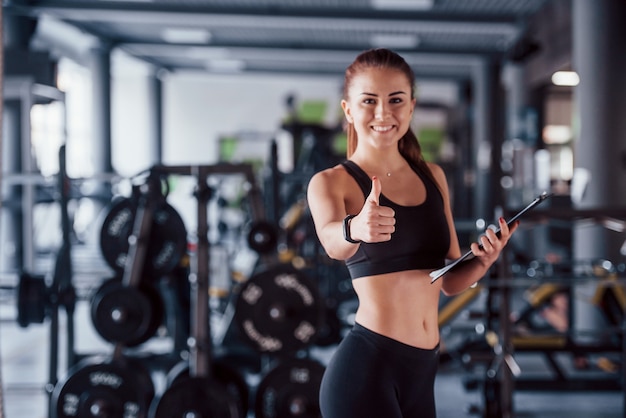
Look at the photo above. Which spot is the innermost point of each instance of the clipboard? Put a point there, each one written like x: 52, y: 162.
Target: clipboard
x: 436, y: 274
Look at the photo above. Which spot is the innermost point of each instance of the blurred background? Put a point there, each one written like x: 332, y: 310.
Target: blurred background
x: 157, y: 257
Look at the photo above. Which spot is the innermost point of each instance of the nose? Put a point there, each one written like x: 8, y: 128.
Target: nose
x: 381, y: 110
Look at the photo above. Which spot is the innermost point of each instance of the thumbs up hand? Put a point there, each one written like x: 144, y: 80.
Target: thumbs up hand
x: 374, y: 223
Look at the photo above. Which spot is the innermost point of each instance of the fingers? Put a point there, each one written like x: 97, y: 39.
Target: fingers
x: 493, y: 242
x: 377, y: 189
x: 505, y: 230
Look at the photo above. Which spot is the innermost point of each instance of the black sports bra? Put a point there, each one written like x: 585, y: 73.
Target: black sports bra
x: 421, y: 239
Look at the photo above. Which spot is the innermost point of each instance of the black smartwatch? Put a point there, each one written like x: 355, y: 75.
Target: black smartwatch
x: 346, y: 229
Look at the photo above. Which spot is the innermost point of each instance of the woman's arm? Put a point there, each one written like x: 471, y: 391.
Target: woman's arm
x: 326, y: 201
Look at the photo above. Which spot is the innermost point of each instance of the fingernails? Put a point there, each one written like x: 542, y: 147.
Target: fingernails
x: 501, y: 219
x: 373, y: 177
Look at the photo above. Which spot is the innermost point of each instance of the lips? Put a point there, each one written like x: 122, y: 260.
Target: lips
x: 382, y: 129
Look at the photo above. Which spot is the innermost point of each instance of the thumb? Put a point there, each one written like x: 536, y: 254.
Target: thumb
x: 376, y: 190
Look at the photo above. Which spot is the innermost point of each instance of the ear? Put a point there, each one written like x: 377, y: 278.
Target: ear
x: 346, y: 111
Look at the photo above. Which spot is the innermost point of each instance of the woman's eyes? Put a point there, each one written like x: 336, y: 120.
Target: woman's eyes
x: 393, y: 100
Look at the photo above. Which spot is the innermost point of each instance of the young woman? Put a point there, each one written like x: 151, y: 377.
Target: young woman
x: 386, y: 212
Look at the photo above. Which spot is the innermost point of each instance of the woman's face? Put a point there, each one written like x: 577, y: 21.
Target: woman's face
x: 379, y: 105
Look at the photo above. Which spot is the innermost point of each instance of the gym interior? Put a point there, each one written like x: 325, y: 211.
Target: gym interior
x: 157, y: 256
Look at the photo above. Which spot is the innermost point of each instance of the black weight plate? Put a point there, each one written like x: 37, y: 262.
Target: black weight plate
x: 279, y: 310
x: 102, y: 388
x: 31, y: 300
x: 198, y: 397
x: 126, y: 315
x: 157, y: 313
x: 227, y: 375
x: 234, y: 382
x: 179, y: 371
x: 262, y: 237
x: 291, y: 389
x: 166, y: 245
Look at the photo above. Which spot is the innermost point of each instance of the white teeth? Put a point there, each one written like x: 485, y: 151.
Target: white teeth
x: 382, y: 128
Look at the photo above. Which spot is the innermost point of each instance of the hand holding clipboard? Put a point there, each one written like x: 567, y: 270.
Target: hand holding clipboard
x: 434, y: 275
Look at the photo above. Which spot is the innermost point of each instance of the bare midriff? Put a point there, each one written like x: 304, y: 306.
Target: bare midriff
x: 402, y: 306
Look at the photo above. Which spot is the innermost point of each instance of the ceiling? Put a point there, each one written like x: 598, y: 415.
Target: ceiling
x: 439, y: 38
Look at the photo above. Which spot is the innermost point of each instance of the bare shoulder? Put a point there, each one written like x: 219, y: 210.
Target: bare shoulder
x: 331, y: 176
x: 438, y: 172
x: 327, y: 194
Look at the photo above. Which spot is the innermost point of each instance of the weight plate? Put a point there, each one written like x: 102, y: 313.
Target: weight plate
x: 157, y: 313
x: 227, y: 375
x: 126, y: 315
x: 98, y: 387
x: 31, y: 300
x: 291, y: 389
x: 167, y: 242
x: 262, y: 237
x: 196, y: 397
x: 279, y: 310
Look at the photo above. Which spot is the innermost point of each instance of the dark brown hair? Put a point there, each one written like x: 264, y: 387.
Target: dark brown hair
x: 408, y: 145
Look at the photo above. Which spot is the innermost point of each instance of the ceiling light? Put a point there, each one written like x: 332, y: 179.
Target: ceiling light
x: 186, y: 35
x: 557, y: 134
x: 404, y: 41
x: 402, y: 4
x: 565, y: 78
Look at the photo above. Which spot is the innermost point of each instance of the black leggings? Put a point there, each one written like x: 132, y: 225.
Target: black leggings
x: 371, y: 375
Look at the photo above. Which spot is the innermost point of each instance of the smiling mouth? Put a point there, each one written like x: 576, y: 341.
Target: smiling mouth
x: 382, y: 128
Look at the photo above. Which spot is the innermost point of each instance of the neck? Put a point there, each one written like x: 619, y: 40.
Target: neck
x: 384, y: 165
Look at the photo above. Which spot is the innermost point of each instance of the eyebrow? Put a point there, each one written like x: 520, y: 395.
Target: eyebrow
x: 395, y: 93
